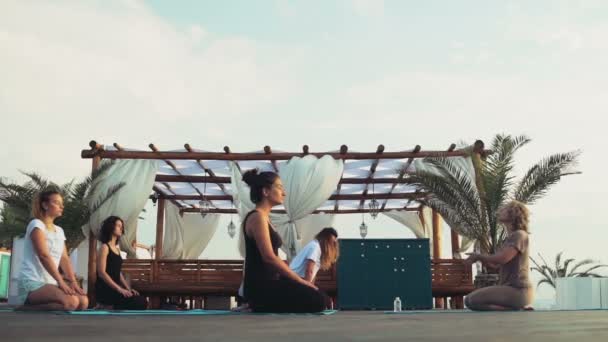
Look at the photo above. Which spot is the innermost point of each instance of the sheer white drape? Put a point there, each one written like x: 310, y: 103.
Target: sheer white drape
x: 308, y: 182
x: 311, y: 225
x: 187, y: 236
x: 420, y: 226
x: 138, y: 178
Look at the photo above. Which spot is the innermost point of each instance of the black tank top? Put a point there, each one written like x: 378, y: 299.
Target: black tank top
x: 113, y: 268
x: 257, y: 272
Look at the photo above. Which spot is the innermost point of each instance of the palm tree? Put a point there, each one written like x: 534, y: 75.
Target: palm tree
x: 78, y: 204
x: 468, y: 199
x: 561, y: 269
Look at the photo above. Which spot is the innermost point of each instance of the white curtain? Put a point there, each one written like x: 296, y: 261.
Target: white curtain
x: 421, y: 227
x: 138, y: 177
x: 308, y: 182
x: 465, y: 245
x: 187, y: 236
x: 310, y: 226
x: 80, y: 261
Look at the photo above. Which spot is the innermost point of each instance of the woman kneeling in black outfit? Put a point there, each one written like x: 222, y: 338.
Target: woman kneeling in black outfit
x: 270, y: 285
x: 112, y: 289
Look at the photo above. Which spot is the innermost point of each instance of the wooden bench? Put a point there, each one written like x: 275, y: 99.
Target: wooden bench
x: 198, y: 279
x: 451, y: 278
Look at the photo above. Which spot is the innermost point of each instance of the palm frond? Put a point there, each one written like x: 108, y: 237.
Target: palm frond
x: 581, y: 264
x: 546, y: 281
x: 454, y: 182
x: 558, y: 259
x: 566, y: 264
x: 540, y: 177
x: 452, y: 194
x: 588, y: 275
x: 38, y: 182
x: 589, y: 270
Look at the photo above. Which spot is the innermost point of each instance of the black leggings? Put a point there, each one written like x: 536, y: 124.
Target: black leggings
x: 120, y: 302
x: 287, y: 296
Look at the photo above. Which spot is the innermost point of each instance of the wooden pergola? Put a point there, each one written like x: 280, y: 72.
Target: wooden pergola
x: 189, y: 176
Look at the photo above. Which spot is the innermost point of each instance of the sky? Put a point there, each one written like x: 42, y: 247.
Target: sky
x: 323, y: 73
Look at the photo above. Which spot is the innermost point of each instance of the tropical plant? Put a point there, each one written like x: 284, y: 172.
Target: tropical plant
x: 78, y: 204
x: 561, y: 270
x: 468, y: 198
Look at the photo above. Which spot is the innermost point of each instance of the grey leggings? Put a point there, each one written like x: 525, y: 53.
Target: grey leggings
x: 507, y: 297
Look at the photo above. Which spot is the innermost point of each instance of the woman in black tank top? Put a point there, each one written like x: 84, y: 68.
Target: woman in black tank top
x: 111, y: 289
x: 270, y: 285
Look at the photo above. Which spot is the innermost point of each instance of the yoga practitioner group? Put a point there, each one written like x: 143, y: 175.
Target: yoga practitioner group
x: 47, y: 280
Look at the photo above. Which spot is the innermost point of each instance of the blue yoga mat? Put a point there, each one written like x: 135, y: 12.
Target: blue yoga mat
x: 178, y: 313
x: 478, y: 312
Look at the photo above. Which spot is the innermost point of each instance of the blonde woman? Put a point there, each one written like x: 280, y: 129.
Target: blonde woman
x: 320, y: 253
x: 514, y: 291
x: 41, y: 286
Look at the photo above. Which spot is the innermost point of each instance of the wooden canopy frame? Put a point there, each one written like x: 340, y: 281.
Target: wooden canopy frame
x: 165, y: 184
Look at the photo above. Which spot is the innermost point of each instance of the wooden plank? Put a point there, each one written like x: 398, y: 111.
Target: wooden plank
x: 342, y: 197
x: 220, y: 181
x: 331, y: 211
x: 88, y: 154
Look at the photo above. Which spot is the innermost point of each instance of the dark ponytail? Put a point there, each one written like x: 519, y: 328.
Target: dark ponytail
x: 257, y: 182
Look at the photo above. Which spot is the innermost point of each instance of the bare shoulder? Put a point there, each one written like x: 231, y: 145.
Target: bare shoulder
x: 520, y: 233
x: 255, y: 222
x: 255, y: 218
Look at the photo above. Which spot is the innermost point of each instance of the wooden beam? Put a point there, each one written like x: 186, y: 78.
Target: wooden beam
x: 343, y: 150
x: 402, y: 172
x: 209, y: 171
x: 92, y: 262
x: 160, y: 226
x: 372, y: 170
x: 436, y: 235
x: 305, y: 149
x: 87, y: 154
x: 341, y: 211
x: 227, y: 151
x: 439, y: 302
x: 172, y: 165
x: 343, y: 197
x: 220, y: 181
x: 268, y: 151
x: 161, y: 194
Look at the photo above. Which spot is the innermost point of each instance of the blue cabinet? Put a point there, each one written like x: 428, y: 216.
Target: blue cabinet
x: 372, y: 272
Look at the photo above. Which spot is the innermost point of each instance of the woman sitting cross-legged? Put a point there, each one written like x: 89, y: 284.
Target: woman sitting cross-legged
x: 514, y: 291
x: 269, y: 284
x: 112, y: 289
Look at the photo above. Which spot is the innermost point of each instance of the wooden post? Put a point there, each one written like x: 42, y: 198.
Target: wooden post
x: 436, y: 235
x: 92, y: 253
x: 439, y: 302
x: 160, y: 224
x: 455, y: 243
